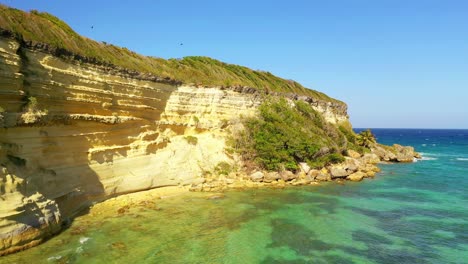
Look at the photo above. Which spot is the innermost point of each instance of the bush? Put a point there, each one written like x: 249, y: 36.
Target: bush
x: 285, y: 134
x: 191, y: 140
x: 223, y: 168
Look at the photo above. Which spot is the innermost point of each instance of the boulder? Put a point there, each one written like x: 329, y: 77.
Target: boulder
x: 287, y: 175
x: 257, y: 176
x: 198, y: 181
x: 229, y: 181
x: 338, y: 172
x: 353, y: 154
x: 323, y: 176
x: 351, y: 165
x: 404, y: 154
x: 383, y: 154
x: 304, y: 167
x: 312, y: 175
x: 370, y: 158
x: 271, y: 177
x: 357, y: 176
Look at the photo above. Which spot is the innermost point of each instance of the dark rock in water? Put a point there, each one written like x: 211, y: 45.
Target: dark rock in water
x: 340, y: 182
x: 216, y: 196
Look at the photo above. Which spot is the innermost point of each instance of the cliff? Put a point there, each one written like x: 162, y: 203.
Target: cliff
x: 74, y: 133
x: 77, y: 129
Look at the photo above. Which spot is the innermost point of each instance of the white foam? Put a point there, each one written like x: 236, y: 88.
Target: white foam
x: 53, y: 258
x: 462, y: 159
x: 428, y: 158
x: 424, y: 145
x: 83, y: 240
x: 424, y: 154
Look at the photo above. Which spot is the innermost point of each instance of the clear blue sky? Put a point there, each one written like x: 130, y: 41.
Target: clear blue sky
x: 395, y: 63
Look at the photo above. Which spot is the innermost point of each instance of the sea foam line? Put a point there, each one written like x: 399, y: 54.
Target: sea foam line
x: 428, y: 158
x: 462, y: 159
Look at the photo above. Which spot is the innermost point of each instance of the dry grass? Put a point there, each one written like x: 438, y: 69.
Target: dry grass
x: 41, y: 27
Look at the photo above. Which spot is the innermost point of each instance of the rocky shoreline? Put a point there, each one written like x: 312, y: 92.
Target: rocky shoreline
x: 355, y: 168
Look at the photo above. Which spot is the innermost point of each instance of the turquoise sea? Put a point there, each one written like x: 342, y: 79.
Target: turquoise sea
x: 410, y: 213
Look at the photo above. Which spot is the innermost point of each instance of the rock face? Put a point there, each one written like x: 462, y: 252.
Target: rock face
x: 74, y: 133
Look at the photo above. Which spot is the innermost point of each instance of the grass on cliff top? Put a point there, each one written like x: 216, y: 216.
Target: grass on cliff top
x: 46, y: 28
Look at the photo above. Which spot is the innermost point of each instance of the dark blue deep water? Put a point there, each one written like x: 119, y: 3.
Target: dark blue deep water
x: 409, y: 213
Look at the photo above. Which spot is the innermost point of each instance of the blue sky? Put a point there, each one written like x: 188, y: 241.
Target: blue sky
x: 395, y: 63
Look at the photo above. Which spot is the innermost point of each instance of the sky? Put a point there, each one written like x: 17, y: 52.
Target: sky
x: 397, y: 64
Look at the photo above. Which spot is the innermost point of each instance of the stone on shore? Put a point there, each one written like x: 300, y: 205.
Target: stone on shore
x: 370, y: 158
x: 357, y: 176
x: 271, y: 177
x: 323, y: 176
x: 304, y: 167
x: 287, y: 175
x: 337, y: 171
x: 257, y: 176
x: 353, y: 154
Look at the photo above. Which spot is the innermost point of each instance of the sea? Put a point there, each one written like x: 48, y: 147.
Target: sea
x: 409, y: 213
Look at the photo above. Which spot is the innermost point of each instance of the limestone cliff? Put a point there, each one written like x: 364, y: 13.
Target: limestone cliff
x: 73, y: 133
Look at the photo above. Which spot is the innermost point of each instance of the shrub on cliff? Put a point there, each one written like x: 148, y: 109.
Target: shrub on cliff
x: 365, y: 138
x: 285, y: 134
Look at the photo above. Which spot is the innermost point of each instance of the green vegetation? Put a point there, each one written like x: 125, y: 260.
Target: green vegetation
x: 223, y: 168
x: 31, y: 103
x: 352, y: 139
x: 41, y: 27
x: 284, y: 135
x: 365, y: 139
x: 191, y: 140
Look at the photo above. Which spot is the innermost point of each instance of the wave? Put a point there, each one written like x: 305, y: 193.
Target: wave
x: 428, y: 158
x: 462, y: 159
x: 430, y: 154
x: 83, y: 240
x: 54, y: 258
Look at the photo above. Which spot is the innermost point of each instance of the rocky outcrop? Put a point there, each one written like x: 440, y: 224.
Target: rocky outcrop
x: 354, y: 168
x: 73, y: 133
x: 395, y: 153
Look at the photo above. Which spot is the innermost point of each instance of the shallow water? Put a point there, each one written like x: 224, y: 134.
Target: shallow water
x: 410, y: 213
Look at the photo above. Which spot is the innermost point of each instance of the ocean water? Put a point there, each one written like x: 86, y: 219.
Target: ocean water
x: 410, y: 213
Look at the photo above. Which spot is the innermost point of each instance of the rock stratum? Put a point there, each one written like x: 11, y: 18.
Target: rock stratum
x: 74, y: 131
